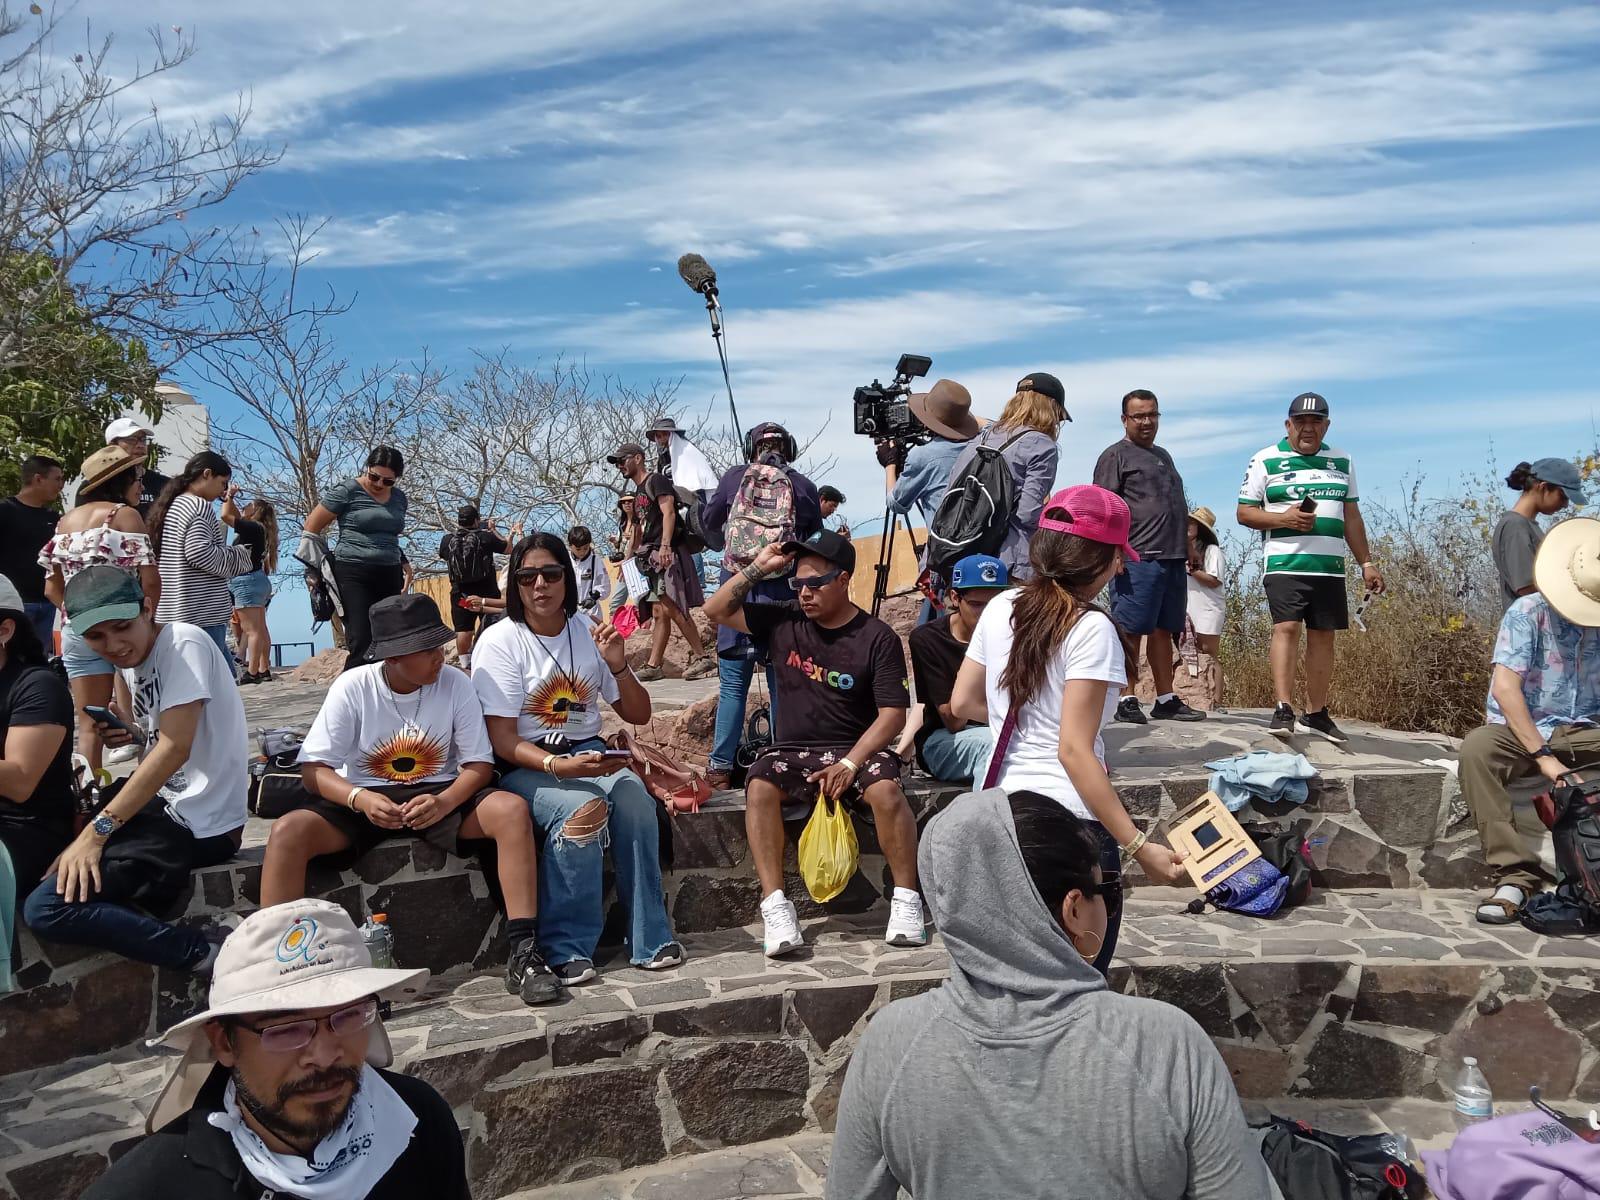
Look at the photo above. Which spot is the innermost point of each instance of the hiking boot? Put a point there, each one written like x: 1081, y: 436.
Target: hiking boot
x: 780, y: 932
x: 570, y: 974
x: 1129, y: 712
x: 528, y: 976
x: 907, y: 925
x: 701, y: 667
x: 1320, y: 722
x: 1174, y: 710
x: 669, y: 956
x: 719, y: 779
x: 647, y: 674
x: 1282, y: 723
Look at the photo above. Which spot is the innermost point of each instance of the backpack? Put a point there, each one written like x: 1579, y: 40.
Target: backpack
x: 469, y: 558
x: 694, y: 532
x: 762, y: 513
x: 321, y: 599
x: 976, y: 509
x: 1279, y: 879
x: 1311, y: 1165
x: 1573, y: 816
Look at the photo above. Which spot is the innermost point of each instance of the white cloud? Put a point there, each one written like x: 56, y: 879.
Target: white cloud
x: 1076, y: 19
x: 1201, y: 290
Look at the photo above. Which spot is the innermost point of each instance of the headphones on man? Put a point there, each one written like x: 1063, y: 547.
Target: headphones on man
x: 764, y: 432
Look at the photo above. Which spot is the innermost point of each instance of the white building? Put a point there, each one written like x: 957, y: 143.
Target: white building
x: 182, y: 432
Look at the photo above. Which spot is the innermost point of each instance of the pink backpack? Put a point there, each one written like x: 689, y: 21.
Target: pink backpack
x: 762, y: 513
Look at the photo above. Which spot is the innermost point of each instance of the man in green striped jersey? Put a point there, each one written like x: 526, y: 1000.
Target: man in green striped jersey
x: 1301, y: 495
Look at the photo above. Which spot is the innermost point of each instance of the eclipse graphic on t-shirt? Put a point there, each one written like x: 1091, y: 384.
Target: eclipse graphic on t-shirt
x: 406, y: 756
x: 559, y: 699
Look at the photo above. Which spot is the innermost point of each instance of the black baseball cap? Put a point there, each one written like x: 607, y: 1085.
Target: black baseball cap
x: 828, y: 492
x: 1046, y: 385
x: 1308, y: 404
x: 626, y: 450
x: 826, y: 544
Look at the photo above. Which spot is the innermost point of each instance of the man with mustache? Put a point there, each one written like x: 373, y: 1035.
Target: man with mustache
x: 281, y: 1090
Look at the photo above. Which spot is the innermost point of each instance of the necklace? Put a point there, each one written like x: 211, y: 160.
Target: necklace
x: 411, y: 727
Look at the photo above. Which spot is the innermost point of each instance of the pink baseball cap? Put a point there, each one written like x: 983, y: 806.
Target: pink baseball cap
x: 1093, y: 513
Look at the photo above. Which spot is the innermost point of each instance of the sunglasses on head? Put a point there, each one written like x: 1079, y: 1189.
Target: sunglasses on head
x: 383, y: 480
x: 296, y: 1035
x: 549, y: 573
x: 814, y: 582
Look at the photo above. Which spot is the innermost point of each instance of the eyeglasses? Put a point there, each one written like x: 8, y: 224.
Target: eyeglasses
x: 550, y: 573
x: 815, y: 582
x: 383, y: 480
x: 296, y: 1035
x: 1110, y: 888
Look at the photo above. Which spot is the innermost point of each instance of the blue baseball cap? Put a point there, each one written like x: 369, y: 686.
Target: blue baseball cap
x: 979, y: 571
x: 1558, y: 472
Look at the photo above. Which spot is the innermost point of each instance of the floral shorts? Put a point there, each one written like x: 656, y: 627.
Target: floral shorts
x: 788, y: 767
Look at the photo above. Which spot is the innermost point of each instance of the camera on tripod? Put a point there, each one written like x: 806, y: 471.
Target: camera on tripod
x: 881, y: 410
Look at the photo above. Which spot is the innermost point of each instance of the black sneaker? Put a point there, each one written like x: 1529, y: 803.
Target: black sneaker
x: 1320, y: 722
x: 570, y: 974
x: 528, y: 976
x: 1174, y: 710
x: 669, y: 956
x: 1129, y: 712
x: 1282, y: 723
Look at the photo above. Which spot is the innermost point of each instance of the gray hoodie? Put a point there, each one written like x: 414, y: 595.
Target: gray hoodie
x: 1023, y: 1075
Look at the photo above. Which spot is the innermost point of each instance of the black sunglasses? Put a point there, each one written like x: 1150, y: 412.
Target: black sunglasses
x: 815, y: 582
x: 549, y: 573
x: 1109, y: 887
x: 383, y: 480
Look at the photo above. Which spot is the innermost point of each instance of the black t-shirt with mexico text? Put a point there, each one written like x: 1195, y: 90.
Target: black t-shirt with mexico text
x: 831, y: 682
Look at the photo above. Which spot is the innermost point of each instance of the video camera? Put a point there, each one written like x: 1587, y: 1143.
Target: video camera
x: 881, y: 410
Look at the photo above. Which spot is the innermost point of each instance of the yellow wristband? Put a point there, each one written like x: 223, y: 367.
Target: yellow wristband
x: 545, y: 766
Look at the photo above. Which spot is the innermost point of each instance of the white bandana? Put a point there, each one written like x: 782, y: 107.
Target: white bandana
x: 347, y: 1163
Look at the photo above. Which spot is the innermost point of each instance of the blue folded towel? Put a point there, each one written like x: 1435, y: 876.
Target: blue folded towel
x: 1262, y: 775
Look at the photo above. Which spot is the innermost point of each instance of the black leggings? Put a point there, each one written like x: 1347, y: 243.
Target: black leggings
x: 361, y: 585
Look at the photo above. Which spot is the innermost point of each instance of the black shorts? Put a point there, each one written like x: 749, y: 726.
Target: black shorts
x: 464, y: 620
x: 1317, y: 601
x: 443, y: 834
x: 787, y: 768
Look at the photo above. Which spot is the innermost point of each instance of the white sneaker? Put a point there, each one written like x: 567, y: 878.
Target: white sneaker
x: 121, y: 754
x: 780, y: 926
x: 907, y: 926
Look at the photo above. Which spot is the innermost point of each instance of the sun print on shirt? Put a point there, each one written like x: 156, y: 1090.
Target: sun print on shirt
x: 558, y: 699
x: 406, y: 756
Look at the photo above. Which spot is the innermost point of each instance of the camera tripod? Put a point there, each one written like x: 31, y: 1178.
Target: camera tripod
x: 891, y: 527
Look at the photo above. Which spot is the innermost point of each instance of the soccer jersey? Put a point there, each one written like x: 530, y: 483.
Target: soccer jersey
x: 1279, y: 478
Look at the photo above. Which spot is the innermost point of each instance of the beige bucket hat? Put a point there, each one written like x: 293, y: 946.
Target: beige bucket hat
x: 1567, y: 570
x: 299, y: 955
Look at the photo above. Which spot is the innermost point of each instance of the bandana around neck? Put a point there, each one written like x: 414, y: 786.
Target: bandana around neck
x: 347, y: 1163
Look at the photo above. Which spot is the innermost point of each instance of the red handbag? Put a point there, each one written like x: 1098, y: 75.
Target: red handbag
x: 680, y: 789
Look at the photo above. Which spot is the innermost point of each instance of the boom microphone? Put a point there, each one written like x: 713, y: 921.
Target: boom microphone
x: 697, y: 273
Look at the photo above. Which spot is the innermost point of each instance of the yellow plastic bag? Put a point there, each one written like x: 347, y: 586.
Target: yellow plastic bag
x: 828, y: 851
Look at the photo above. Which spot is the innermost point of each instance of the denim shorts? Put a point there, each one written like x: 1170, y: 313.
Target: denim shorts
x: 251, y: 591
x: 1150, y: 595
x: 78, y: 658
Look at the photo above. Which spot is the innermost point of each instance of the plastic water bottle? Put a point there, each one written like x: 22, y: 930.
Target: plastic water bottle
x: 379, y: 940
x: 1474, y: 1102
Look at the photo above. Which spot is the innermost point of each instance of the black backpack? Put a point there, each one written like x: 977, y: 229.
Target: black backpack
x: 468, y: 558
x: 1311, y: 1165
x: 322, y: 608
x: 976, y: 509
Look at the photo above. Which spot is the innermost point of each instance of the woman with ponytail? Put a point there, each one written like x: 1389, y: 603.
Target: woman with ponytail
x: 1547, y: 486
x: 194, y: 560
x: 1045, y: 667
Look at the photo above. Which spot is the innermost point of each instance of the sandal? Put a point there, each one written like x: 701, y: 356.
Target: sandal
x: 1502, y: 908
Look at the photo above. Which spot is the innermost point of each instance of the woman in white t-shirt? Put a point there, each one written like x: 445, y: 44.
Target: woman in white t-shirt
x: 541, y: 674
x: 1045, y: 667
x: 1208, y: 601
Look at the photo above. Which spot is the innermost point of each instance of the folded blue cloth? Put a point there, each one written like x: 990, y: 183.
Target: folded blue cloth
x: 1261, y: 775
x: 1257, y: 889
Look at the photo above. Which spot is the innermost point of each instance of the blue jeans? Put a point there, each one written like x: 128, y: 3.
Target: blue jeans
x: 957, y: 757
x: 1110, y: 864
x: 41, y: 615
x: 219, y: 635
x: 735, y: 674
x: 571, y: 912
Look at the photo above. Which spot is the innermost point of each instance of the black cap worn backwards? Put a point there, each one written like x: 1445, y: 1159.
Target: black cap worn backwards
x: 1046, y: 385
x: 1308, y: 404
x: 826, y: 544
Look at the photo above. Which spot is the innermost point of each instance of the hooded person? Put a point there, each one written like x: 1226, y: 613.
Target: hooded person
x: 282, y: 1079
x: 685, y: 462
x: 1024, y: 1070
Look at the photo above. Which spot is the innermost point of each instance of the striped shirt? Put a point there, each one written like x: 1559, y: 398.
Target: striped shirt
x: 196, y: 564
x: 1279, y: 478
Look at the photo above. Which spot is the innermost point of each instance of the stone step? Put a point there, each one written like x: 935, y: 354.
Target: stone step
x: 1358, y: 999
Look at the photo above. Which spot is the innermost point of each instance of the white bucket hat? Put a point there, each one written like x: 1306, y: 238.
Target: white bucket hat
x: 299, y: 955
x: 1567, y: 570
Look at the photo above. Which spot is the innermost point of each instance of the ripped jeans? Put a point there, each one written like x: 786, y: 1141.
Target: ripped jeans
x: 571, y: 901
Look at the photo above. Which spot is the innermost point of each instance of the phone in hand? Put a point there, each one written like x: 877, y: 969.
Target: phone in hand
x: 104, y: 716
x: 1308, y: 505
x: 617, y: 754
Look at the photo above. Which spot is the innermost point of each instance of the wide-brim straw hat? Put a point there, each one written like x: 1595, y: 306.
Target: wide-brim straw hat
x: 1207, y: 520
x: 305, y: 954
x: 1567, y: 570
x: 106, y: 463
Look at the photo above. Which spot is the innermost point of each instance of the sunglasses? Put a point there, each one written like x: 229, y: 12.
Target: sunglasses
x: 815, y: 582
x: 383, y: 480
x: 550, y: 574
x: 1109, y: 888
x: 296, y: 1035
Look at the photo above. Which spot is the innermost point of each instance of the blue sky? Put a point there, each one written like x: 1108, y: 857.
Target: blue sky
x: 1394, y: 205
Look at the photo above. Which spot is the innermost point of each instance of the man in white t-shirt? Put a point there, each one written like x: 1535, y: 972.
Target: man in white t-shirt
x: 400, y: 749
x: 1301, y: 495
x: 184, y: 805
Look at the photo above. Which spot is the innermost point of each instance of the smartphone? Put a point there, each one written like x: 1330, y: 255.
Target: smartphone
x: 616, y: 754
x: 1308, y: 505
x: 105, y: 716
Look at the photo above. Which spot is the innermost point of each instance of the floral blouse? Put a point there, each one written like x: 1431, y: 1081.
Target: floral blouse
x: 100, y: 546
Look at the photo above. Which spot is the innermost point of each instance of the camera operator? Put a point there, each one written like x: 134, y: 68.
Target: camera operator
x: 945, y: 410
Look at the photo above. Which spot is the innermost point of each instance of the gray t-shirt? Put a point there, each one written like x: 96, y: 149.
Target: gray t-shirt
x: 369, y: 532
x: 1150, y: 483
x: 1516, y: 542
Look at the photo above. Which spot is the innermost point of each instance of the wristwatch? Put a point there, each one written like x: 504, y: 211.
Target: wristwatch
x: 1544, y: 752
x: 104, y: 826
